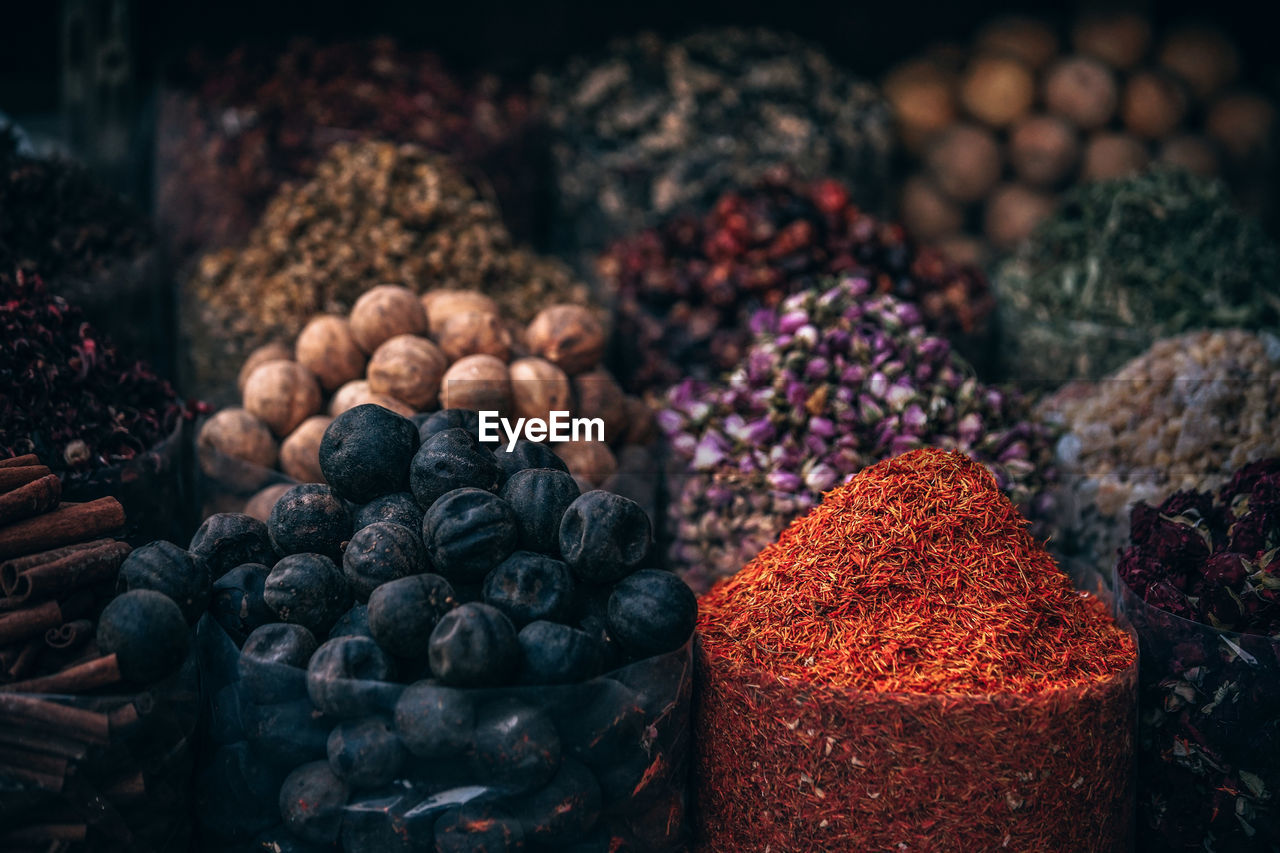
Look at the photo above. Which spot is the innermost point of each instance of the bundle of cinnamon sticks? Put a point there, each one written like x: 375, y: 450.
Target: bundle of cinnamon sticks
x: 66, y: 773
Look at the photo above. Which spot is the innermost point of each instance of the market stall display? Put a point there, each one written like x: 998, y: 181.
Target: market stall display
x: 474, y: 657
x: 836, y: 378
x: 651, y: 127
x: 1125, y: 263
x: 1183, y: 415
x: 997, y: 130
x: 98, y: 688
x: 907, y: 667
x: 1201, y: 585
x: 374, y: 213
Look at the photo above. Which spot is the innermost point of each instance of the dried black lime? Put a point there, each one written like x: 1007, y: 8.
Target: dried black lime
x: 146, y: 632
x: 170, y: 570
x: 434, y: 721
x: 539, y: 497
x: 351, y: 677
x: 562, y: 812
x: 474, y: 645
x: 399, y: 507
x: 404, y: 612
x: 528, y: 586
x: 516, y: 746
x: 310, y: 519
x: 308, y: 590
x: 353, y: 623
x: 365, y: 753
x: 468, y: 532
x: 604, y: 536
x: 273, y: 663
x: 652, y: 612
x: 528, y: 454
x: 312, y: 800
x: 365, y: 452
x: 230, y: 539
x: 437, y: 422
x: 381, y: 552
x: 451, y: 459
x: 286, y: 734
x: 553, y: 653
x: 478, y: 828
x: 238, y: 604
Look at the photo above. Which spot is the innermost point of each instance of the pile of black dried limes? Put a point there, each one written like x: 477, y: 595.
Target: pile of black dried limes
x: 447, y: 647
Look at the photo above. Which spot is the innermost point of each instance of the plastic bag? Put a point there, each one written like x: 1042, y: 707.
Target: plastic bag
x: 396, y: 766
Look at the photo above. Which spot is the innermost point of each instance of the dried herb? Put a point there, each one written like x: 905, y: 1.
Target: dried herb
x: 1201, y: 583
x: 654, y: 126
x: 1125, y: 263
x: 66, y: 395
x: 1183, y: 415
x: 687, y: 287
x: 87, y: 243
x: 835, y: 379
x: 907, y: 668
x: 233, y: 129
x: 374, y: 213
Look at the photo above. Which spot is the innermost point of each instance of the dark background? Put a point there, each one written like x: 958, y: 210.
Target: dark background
x: 519, y: 36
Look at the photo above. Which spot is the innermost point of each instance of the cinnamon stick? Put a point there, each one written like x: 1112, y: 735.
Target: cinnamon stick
x: 18, y: 565
x: 42, y: 742
x: 45, y: 781
x: 20, y: 461
x: 100, y: 672
x: 42, y: 833
x: 67, y: 524
x: 50, y: 764
x: 32, y: 497
x: 72, y: 571
x: 24, y: 624
x: 70, y: 635
x: 25, y: 663
x: 126, y: 788
x: 88, y: 726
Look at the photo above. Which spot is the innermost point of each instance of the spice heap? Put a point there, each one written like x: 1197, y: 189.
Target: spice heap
x: 1209, y: 733
x: 67, y: 396
x: 834, y: 380
x: 1183, y: 415
x: 97, y: 689
x: 445, y: 648
x: 656, y: 126
x: 687, y: 287
x: 1128, y: 262
x: 89, y: 245
x: 996, y: 132
x: 375, y: 212
x: 448, y: 350
x: 909, y: 642
x: 234, y: 129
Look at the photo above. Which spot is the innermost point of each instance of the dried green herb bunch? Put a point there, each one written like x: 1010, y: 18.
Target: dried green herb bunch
x: 654, y: 126
x: 1125, y: 263
x: 835, y: 379
x: 1183, y: 415
x: 375, y: 212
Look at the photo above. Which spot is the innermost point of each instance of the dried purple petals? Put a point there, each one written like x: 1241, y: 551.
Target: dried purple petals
x: 65, y: 394
x: 834, y: 380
